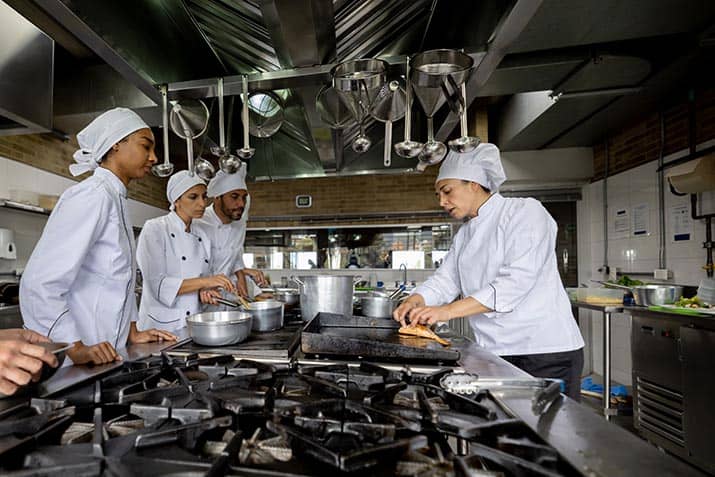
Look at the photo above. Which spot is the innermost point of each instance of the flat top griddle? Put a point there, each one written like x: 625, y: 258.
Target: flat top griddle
x: 329, y: 334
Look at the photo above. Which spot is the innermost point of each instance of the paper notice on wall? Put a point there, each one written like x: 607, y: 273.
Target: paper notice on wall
x: 681, y: 223
x: 621, y: 223
x: 641, y: 219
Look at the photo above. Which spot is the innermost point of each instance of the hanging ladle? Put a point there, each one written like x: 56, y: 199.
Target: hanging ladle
x: 166, y: 168
x: 389, y: 106
x: 189, y: 120
x: 246, y: 152
x: 408, y: 148
x: 465, y: 143
x: 227, y: 162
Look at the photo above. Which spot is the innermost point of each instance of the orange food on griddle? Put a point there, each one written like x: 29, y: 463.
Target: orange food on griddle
x: 423, y: 331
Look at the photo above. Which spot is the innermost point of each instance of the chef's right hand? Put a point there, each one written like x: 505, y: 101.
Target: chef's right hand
x: 219, y: 281
x: 20, y: 363
x: 403, y: 310
x: 101, y: 353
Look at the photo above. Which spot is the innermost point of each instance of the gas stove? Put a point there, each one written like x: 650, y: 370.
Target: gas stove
x: 180, y: 414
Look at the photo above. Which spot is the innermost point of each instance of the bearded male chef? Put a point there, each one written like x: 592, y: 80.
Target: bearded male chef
x: 225, y: 221
x: 503, y: 263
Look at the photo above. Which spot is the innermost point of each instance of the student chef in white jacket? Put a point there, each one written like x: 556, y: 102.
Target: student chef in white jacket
x: 174, y: 256
x: 502, y: 263
x: 78, y: 285
x: 225, y: 220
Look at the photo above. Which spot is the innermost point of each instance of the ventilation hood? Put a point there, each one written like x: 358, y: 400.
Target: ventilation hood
x: 26, y: 75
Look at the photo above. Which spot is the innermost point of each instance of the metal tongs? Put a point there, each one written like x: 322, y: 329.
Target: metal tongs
x: 546, y: 391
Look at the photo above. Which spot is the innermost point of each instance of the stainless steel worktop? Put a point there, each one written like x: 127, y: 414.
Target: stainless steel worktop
x: 593, y: 445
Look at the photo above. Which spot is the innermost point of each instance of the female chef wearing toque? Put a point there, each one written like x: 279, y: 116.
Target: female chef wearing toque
x: 174, y: 257
x: 503, y: 262
x: 78, y: 286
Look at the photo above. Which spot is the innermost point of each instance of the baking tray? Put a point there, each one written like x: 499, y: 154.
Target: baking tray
x: 334, y: 335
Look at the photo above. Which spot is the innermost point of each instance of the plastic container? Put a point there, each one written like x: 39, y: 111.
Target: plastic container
x: 600, y: 296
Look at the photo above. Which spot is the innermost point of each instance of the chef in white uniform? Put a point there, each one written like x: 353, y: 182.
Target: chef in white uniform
x: 502, y: 263
x: 226, y: 221
x: 78, y: 286
x: 174, y: 257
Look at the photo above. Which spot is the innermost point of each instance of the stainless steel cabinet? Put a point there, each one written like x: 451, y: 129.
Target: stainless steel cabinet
x: 698, y: 359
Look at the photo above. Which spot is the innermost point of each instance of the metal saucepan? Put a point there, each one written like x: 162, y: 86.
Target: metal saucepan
x: 219, y: 328
x: 377, y: 306
x: 289, y: 296
x: 267, y: 315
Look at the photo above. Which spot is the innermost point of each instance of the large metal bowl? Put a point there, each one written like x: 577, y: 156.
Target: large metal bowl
x: 267, y: 315
x: 647, y: 295
x: 219, y: 328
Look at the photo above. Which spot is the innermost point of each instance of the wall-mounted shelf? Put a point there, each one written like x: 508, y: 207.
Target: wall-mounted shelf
x: 9, y: 204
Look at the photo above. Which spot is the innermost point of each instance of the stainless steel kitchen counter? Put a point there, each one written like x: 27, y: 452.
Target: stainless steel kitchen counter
x: 591, y: 444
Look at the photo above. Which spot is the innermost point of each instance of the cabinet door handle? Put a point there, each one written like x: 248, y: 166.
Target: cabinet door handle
x: 648, y: 330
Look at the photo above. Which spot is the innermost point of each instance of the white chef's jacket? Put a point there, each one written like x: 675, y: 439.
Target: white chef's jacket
x: 79, y: 281
x: 505, y: 259
x: 167, y: 255
x: 226, y: 241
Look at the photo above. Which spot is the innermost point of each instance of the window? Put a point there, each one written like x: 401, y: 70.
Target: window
x: 418, y: 246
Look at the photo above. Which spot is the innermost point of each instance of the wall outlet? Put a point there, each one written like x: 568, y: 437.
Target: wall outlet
x: 661, y: 274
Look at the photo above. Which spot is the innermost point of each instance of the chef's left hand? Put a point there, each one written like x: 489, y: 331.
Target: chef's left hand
x: 257, y: 276
x: 149, y: 336
x: 429, y: 315
x: 208, y: 296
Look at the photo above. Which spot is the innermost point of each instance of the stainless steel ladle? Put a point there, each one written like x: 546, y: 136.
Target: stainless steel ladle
x: 166, y: 168
x: 465, y: 143
x: 246, y: 152
x: 227, y: 162
x: 408, y: 148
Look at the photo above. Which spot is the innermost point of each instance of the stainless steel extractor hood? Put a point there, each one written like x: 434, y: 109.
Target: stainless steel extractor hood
x: 26, y: 75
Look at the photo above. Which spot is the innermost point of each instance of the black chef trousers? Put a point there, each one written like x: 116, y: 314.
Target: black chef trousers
x: 566, y: 366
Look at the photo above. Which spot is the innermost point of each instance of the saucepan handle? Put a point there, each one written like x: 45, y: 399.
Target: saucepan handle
x: 297, y: 280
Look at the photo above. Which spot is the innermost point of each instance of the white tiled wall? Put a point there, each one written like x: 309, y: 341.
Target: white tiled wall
x: 632, y: 253
x: 28, y: 226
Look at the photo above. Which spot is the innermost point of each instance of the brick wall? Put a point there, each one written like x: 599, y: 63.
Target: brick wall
x: 640, y: 143
x: 52, y: 154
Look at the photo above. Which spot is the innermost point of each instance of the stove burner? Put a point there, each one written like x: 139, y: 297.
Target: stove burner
x: 181, y: 414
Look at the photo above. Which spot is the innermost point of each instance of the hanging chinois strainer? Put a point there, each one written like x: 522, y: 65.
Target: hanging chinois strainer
x: 189, y: 119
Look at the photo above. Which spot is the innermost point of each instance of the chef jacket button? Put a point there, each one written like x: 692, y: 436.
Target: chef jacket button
x: 206, y: 260
x: 183, y: 258
x: 172, y: 235
x: 199, y: 239
x: 188, y: 313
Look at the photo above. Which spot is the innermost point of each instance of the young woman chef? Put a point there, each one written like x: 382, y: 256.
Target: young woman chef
x: 78, y: 286
x: 503, y: 263
x: 174, y: 257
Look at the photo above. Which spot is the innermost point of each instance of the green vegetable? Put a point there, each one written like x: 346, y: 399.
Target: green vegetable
x: 628, y: 281
x: 693, y: 302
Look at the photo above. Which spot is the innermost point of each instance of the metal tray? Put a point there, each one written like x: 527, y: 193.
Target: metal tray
x: 330, y: 334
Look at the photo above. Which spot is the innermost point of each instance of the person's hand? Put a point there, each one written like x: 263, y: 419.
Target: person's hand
x: 209, y: 295
x: 241, y: 286
x: 149, y: 336
x: 23, y: 335
x: 101, y: 353
x: 20, y: 363
x: 257, y: 276
x: 429, y: 315
x: 405, y: 308
x: 219, y: 281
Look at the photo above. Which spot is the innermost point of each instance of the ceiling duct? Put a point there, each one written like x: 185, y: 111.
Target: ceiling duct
x: 26, y: 75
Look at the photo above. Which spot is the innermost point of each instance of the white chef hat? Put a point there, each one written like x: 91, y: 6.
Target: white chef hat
x: 100, y: 135
x: 180, y: 183
x: 222, y: 182
x: 483, y: 166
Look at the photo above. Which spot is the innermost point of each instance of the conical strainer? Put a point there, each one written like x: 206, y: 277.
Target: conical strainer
x: 189, y: 120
